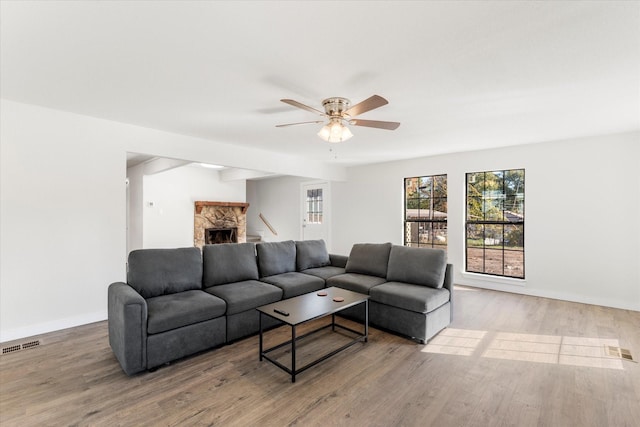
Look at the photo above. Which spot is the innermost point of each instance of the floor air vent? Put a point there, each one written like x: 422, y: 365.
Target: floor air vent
x: 621, y: 353
x: 18, y: 347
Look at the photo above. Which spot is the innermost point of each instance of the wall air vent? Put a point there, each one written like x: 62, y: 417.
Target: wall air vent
x: 18, y: 347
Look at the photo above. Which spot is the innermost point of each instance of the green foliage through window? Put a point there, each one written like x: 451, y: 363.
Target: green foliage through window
x: 425, y: 221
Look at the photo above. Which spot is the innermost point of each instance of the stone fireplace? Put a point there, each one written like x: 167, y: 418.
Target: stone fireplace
x: 219, y: 222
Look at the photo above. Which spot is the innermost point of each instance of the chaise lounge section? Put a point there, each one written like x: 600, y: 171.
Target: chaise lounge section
x: 410, y: 288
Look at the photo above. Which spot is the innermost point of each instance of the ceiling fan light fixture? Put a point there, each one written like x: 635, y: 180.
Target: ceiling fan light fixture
x: 335, y: 131
x: 340, y: 113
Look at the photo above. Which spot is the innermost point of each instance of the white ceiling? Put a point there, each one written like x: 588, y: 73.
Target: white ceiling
x: 458, y: 75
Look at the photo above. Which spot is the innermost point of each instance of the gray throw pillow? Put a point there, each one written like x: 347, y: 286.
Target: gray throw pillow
x: 229, y: 263
x: 276, y: 257
x: 155, y: 272
x: 311, y: 254
x: 369, y: 258
x: 420, y: 266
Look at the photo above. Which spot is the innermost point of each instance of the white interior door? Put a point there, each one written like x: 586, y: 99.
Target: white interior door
x: 315, y: 211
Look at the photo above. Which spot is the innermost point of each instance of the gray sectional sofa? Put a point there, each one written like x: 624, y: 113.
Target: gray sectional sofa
x: 178, y: 302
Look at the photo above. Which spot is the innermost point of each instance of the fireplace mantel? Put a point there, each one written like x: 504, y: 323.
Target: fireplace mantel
x: 200, y: 205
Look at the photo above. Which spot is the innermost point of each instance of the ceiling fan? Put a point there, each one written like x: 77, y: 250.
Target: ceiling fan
x: 339, y: 112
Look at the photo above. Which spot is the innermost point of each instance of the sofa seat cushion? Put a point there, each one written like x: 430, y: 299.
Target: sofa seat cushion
x: 417, y: 298
x: 229, y: 263
x: 246, y: 295
x: 419, y: 266
x: 324, y: 272
x: 276, y: 257
x: 294, y: 284
x: 155, y: 272
x: 311, y: 254
x: 355, y: 282
x: 167, y: 312
x: 369, y: 258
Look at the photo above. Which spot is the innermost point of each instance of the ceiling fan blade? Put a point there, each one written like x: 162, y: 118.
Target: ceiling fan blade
x: 375, y: 124
x: 300, y: 105
x: 368, y: 104
x: 299, y: 123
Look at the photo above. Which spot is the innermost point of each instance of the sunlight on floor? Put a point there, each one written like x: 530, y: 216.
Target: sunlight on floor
x: 462, y: 342
x: 554, y: 349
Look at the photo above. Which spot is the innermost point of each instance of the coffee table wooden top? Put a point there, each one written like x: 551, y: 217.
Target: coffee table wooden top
x: 312, y: 306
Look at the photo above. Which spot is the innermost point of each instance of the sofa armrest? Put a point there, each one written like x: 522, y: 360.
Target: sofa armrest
x: 338, y: 260
x: 127, y: 311
x: 448, y: 284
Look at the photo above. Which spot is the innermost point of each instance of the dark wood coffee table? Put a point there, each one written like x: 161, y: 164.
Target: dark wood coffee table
x: 307, y: 307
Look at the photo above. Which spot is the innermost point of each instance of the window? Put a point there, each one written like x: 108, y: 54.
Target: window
x: 425, y: 211
x: 314, y: 206
x: 495, y: 223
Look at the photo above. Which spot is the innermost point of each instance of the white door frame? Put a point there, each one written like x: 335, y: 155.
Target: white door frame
x: 326, y: 208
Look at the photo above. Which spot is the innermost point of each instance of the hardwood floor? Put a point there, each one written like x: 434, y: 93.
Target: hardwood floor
x: 507, y: 360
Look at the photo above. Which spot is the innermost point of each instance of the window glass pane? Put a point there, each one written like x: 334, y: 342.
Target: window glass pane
x: 412, y: 211
x: 411, y: 187
x: 493, y: 236
x: 514, y: 237
x: 425, y: 236
x: 440, y: 208
x: 439, y: 234
x: 425, y: 186
x: 514, y: 182
x: 440, y: 186
x: 411, y: 231
x: 493, y: 207
x: 475, y: 260
x: 475, y: 209
x: 514, y: 209
x: 493, y: 262
x: 514, y: 263
x: 475, y: 235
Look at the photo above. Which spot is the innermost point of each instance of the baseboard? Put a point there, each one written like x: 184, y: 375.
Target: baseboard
x: 563, y: 296
x: 54, y: 325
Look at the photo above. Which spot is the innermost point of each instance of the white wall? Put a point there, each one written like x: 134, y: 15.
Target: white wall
x: 135, y: 211
x: 278, y: 199
x: 169, y: 223
x: 63, y: 208
x: 582, y: 204
x: 62, y: 220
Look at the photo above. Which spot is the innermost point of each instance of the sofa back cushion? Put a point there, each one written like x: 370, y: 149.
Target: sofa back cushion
x: 311, y: 254
x: 155, y: 272
x: 229, y: 263
x: 369, y: 258
x: 420, y: 266
x: 276, y: 257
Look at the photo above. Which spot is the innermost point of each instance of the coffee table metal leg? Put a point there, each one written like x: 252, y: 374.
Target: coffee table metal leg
x: 260, y: 323
x: 293, y: 354
x: 333, y: 322
x: 366, y: 321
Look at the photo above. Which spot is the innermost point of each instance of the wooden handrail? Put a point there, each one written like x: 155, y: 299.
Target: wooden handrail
x: 275, y: 233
